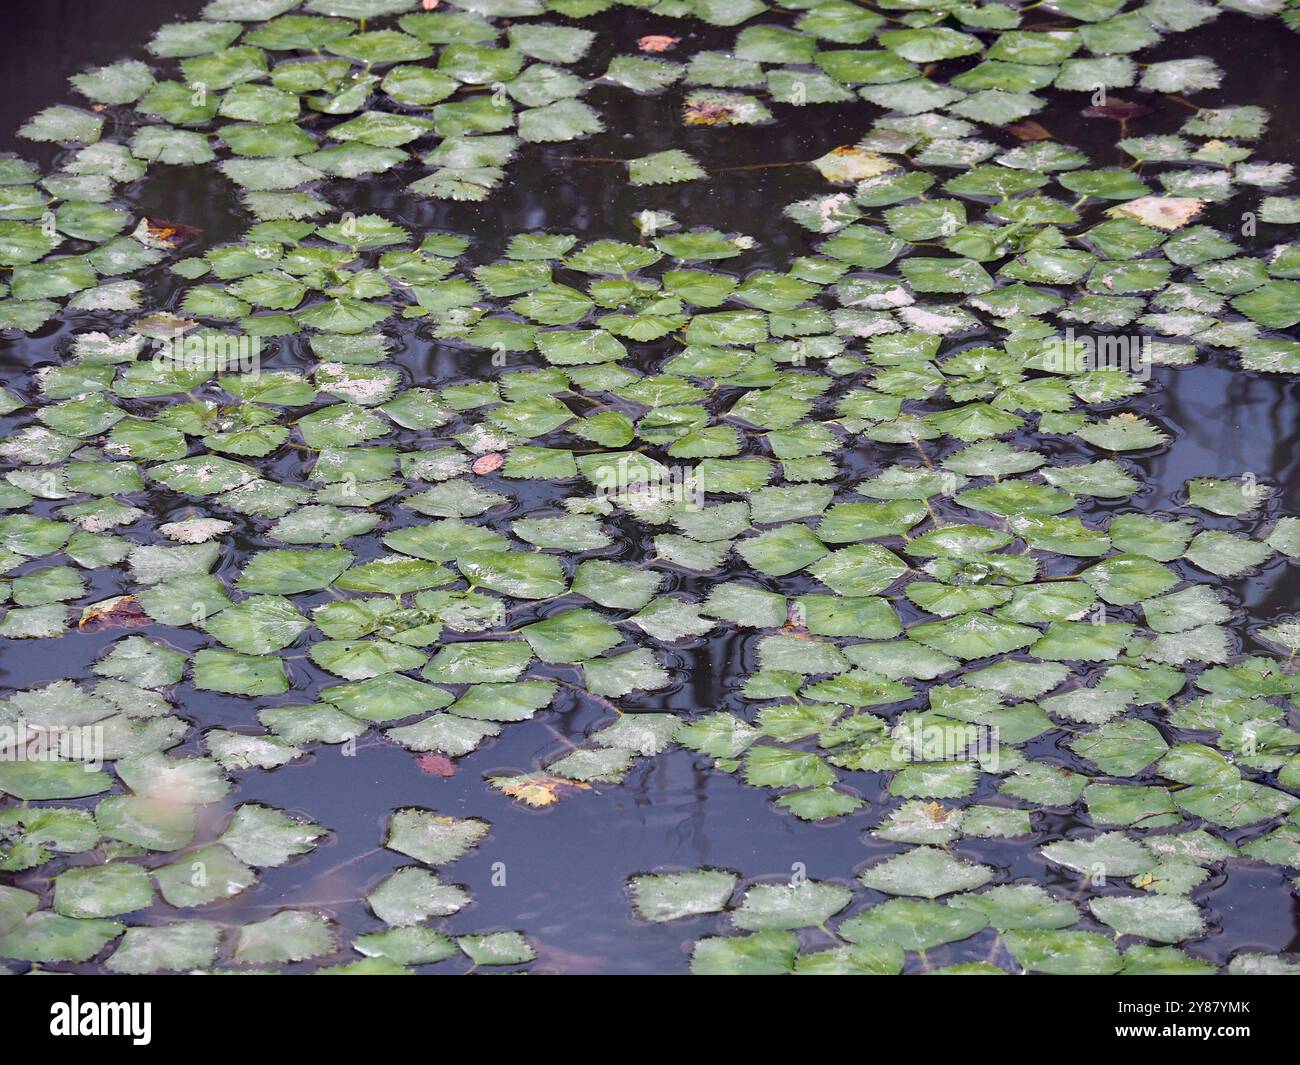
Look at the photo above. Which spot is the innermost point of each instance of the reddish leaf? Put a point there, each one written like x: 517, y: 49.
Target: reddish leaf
x: 655, y: 42
x: 436, y: 765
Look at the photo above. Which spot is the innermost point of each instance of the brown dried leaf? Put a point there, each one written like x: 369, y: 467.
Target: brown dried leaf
x: 164, y: 234
x: 120, y: 612
x: 935, y: 812
x: 1119, y: 110
x: 1029, y: 130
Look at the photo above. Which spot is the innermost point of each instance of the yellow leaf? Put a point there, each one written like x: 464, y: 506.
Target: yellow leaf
x: 850, y: 163
x: 707, y: 113
x: 536, y: 789
x: 1161, y: 212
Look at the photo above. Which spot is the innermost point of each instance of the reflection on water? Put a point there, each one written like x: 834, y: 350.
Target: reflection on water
x: 565, y: 867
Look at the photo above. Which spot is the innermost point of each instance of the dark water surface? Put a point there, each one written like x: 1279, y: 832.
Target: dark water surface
x: 566, y: 866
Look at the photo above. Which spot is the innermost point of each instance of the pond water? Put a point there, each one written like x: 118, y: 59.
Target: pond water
x: 559, y: 874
